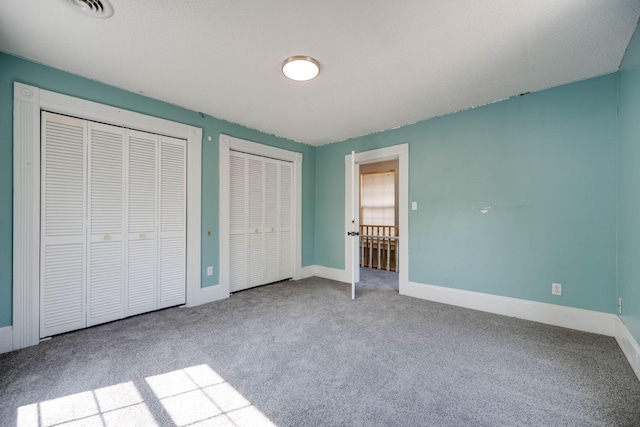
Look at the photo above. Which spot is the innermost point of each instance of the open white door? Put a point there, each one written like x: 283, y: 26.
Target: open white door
x: 353, y: 225
x: 354, y: 232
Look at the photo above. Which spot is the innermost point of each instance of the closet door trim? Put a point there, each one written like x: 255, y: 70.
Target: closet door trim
x: 29, y: 101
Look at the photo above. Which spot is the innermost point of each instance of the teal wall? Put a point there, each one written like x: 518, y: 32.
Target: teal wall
x: 14, y: 69
x: 544, y: 162
x: 629, y: 187
x: 547, y: 163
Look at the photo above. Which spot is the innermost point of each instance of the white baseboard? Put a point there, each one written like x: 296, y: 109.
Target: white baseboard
x: 211, y: 294
x: 308, y: 271
x: 324, y: 272
x: 331, y: 273
x: 6, y: 339
x: 629, y: 346
x: 567, y: 317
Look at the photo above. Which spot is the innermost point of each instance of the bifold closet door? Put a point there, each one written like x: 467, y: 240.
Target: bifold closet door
x: 278, y: 220
x: 238, y: 207
x: 63, y: 213
x: 246, y: 209
x: 156, y: 258
x: 261, y: 212
x: 173, y: 222
x: 142, y: 242
x: 113, y: 223
x: 285, y: 235
x: 107, y: 234
x: 256, y: 251
x: 271, y: 221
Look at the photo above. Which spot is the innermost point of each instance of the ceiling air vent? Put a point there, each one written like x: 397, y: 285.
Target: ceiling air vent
x: 93, y: 8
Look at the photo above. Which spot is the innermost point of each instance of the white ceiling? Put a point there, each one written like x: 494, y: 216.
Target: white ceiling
x: 384, y: 63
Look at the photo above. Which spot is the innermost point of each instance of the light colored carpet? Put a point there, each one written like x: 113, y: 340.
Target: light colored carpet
x: 304, y: 354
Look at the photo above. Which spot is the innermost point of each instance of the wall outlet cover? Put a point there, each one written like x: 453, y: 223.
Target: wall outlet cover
x: 556, y: 289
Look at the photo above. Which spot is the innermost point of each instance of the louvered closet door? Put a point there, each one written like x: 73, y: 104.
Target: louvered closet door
x: 142, y: 208
x: 238, y: 222
x: 255, y: 190
x: 271, y: 215
x: 173, y: 221
x: 261, y: 215
x: 286, y: 220
x: 106, y: 215
x: 62, y: 286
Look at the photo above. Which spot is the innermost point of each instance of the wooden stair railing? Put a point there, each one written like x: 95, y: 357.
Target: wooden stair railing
x: 379, y: 247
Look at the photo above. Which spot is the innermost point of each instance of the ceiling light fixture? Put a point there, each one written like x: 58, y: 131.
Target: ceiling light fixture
x: 300, y: 68
x: 93, y: 8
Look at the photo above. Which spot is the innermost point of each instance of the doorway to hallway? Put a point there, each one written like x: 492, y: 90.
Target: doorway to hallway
x: 378, y: 210
x: 353, y: 163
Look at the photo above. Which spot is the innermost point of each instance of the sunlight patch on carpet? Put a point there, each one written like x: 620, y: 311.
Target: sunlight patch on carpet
x: 198, y: 394
x: 107, y: 406
x: 190, y: 396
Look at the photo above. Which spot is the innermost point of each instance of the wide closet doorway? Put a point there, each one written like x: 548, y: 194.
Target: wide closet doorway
x: 113, y: 223
x: 260, y: 220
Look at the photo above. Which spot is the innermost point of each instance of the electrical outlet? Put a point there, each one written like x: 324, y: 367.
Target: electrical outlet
x: 414, y: 206
x: 210, y: 270
x: 620, y: 305
x: 556, y: 289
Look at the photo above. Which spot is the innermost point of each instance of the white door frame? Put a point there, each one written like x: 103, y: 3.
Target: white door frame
x: 401, y: 153
x: 28, y: 102
x: 228, y: 143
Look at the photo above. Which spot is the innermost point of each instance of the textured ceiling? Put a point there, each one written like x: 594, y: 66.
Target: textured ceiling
x: 384, y: 64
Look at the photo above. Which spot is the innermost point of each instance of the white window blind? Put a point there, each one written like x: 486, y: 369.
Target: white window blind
x: 377, y: 198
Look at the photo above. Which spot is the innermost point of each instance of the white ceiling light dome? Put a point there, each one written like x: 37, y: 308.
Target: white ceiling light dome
x: 94, y: 8
x: 300, y: 68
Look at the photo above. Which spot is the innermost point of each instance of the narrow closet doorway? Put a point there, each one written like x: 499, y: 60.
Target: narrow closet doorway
x: 113, y: 223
